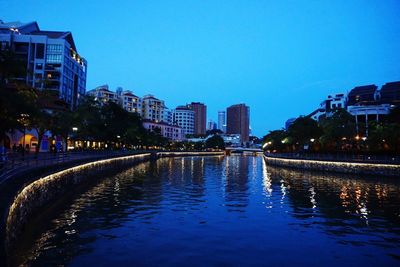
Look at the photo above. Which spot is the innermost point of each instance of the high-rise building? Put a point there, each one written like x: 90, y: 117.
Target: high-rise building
x: 51, y: 58
x: 184, y: 117
x: 238, y: 118
x: 222, y: 120
x: 200, y: 117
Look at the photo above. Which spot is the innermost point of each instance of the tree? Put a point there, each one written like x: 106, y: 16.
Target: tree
x: 304, y: 129
x: 215, y: 141
x: 276, y: 140
x: 338, y: 128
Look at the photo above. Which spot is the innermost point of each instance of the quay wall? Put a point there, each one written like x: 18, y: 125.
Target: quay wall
x: 30, y: 199
x: 390, y: 170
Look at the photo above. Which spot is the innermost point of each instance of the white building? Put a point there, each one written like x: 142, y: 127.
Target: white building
x: 103, y: 94
x: 172, y: 132
x: 329, y: 106
x: 184, y: 117
x: 153, y: 109
x: 222, y: 120
x: 130, y: 102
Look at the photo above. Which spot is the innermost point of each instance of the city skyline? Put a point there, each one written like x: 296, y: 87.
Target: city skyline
x: 267, y: 55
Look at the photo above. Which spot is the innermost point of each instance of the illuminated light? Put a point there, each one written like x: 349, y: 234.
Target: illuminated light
x: 74, y: 129
x: 364, y: 138
x: 344, y: 138
x: 312, y: 140
x: 336, y: 163
x: 357, y: 137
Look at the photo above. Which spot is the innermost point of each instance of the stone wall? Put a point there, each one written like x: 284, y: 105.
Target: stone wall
x: 335, y: 166
x: 42, y: 191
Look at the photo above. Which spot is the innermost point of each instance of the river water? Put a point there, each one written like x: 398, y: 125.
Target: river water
x: 224, y: 211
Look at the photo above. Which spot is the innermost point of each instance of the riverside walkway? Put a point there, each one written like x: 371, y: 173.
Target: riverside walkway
x: 17, y: 164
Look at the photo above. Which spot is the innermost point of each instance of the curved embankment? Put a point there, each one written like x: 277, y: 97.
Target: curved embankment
x: 391, y: 170
x: 44, y: 190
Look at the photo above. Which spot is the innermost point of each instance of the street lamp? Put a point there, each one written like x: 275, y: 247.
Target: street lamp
x: 24, y: 120
x: 312, y: 140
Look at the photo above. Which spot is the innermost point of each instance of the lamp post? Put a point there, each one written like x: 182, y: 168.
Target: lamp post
x: 74, y: 130
x: 24, y: 121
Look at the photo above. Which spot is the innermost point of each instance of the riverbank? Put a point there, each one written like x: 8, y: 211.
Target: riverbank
x: 390, y: 170
x: 45, y: 187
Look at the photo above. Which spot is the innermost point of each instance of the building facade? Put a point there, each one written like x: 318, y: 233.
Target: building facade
x: 51, y: 58
x: 200, y: 117
x: 222, y: 120
x: 103, y: 94
x: 130, y: 102
x: 184, y: 117
x: 153, y: 109
x: 238, y: 121
x: 172, y: 132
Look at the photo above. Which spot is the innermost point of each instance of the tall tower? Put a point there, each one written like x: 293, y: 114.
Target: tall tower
x: 238, y: 118
x: 200, y: 117
x: 222, y: 120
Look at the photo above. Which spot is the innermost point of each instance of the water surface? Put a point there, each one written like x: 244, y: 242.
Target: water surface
x: 224, y: 211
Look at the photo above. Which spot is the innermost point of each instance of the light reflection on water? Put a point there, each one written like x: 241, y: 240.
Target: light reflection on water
x: 235, y: 211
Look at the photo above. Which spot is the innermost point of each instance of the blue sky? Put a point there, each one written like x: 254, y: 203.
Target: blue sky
x: 282, y: 58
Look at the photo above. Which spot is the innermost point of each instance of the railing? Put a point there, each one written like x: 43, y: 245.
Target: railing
x: 16, y: 163
x: 378, y: 159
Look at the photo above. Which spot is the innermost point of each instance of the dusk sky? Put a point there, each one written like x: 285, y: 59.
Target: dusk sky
x: 281, y: 58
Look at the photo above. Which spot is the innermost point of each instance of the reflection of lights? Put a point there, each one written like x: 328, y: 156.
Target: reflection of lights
x: 267, y: 182
x: 312, y: 197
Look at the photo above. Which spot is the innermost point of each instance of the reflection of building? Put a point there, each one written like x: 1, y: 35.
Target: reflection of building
x: 238, y: 117
x: 172, y: 132
x: 222, y: 120
x: 50, y: 57
x: 184, y: 117
x: 200, y: 117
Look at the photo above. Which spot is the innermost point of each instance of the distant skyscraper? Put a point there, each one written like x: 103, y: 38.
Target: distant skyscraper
x: 211, y: 126
x: 200, y: 117
x: 238, y: 118
x: 222, y: 120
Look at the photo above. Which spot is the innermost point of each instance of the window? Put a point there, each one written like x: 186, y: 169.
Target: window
x: 54, y: 48
x: 40, y: 51
x: 39, y: 66
x: 52, y: 58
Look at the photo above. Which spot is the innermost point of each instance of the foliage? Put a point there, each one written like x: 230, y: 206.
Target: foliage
x: 215, y: 141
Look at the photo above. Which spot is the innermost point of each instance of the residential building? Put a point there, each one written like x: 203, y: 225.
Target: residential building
x: 51, y: 58
x: 390, y: 93
x: 184, y: 117
x: 103, y: 94
x: 172, y: 132
x: 362, y: 95
x: 238, y: 120
x: 200, y: 117
x: 222, y: 120
x: 130, y: 102
x: 289, y: 122
x: 329, y: 106
x: 153, y: 108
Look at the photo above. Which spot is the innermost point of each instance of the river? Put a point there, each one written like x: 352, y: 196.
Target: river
x: 223, y: 211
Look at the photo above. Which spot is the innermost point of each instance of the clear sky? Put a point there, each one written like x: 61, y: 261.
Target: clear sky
x: 282, y: 58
